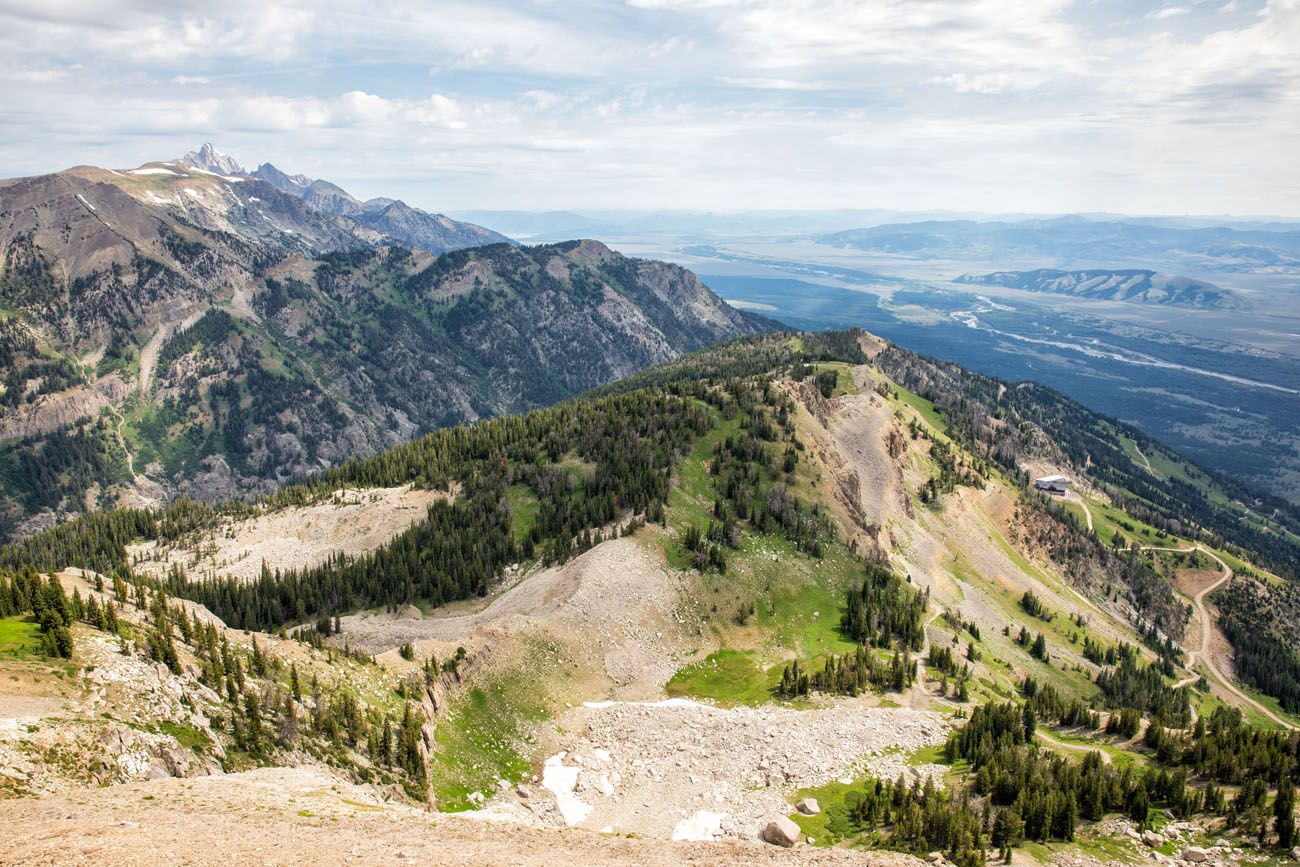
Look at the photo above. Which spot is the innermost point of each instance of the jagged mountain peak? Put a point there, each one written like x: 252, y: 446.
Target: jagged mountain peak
x: 285, y: 183
x: 209, y: 159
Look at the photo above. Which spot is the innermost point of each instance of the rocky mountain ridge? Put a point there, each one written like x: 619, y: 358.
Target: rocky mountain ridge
x: 1139, y: 286
x: 172, y: 330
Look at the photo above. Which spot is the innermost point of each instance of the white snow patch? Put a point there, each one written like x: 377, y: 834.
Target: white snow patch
x: 193, y: 194
x: 666, y: 702
x: 675, y: 702
x: 111, y: 172
x: 704, y: 825
x: 83, y: 201
x: 157, y: 199
x: 154, y: 171
x: 217, y: 175
x: 561, y: 780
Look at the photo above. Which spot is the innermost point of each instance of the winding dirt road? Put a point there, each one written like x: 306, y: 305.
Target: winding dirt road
x: 1203, y: 652
x: 1083, y: 504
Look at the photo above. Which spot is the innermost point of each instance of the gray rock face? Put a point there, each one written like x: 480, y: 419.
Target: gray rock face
x: 781, y: 832
x: 1195, y: 854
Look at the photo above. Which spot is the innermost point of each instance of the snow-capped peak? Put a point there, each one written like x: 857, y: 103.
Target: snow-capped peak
x: 209, y: 159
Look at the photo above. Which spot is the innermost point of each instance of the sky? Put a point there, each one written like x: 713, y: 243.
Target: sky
x: 1044, y: 106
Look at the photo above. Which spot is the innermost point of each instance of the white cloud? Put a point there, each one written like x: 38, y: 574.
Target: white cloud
x: 988, y: 83
x: 708, y: 103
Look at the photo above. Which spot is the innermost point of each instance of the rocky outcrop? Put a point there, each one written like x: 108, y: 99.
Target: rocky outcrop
x: 808, y: 806
x: 780, y: 831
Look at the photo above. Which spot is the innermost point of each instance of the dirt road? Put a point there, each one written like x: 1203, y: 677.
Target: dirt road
x: 1203, y: 652
x: 1073, y: 748
x: 1083, y: 504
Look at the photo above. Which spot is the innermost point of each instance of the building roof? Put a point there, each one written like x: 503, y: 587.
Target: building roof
x: 1052, y: 479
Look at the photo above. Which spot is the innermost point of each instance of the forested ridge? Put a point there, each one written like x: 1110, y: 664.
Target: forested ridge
x: 629, y: 441
x: 357, y: 351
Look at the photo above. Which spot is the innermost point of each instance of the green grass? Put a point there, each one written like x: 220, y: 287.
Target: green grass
x: 19, y: 636
x: 481, y: 738
x: 186, y: 735
x: 844, y: 383
x: 924, y: 407
x: 932, y: 755
x: 727, y: 677
x: 524, y: 507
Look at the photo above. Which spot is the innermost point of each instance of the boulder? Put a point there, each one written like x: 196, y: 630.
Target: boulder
x: 1195, y: 854
x: 781, y: 832
x: 1151, y: 838
x: 808, y: 806
x: 1295, y: 853
x: 178, y: 762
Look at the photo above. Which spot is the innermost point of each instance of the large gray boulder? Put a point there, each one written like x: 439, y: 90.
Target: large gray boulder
x: 1195, y: 854
x: 808, y: 806
x: 781, y: 832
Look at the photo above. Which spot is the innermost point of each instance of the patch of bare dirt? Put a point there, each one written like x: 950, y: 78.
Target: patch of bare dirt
x: 350, y: 521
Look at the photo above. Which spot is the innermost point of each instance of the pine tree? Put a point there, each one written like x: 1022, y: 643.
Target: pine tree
x: 1284, y: 811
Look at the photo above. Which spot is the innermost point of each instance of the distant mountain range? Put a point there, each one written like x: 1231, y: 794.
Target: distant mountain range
x: 392, y: 218
x: 189, y: 328
x: 1067, y: 242
x: 1134, y: 285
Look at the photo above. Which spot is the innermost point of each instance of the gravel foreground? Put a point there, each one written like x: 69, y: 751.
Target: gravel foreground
x: 308, y: 816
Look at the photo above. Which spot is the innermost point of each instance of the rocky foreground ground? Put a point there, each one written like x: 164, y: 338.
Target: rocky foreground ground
x: 308, y: 816
x: 683, y: 770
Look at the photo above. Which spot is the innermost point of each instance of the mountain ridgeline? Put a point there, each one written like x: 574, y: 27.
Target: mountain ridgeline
x: 1133, y: 285
x: 178, y: 330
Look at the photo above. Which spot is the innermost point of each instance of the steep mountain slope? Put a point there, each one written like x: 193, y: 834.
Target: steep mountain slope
x: 1135, y: 285
x: 173, y: 330
x: 671, y: 609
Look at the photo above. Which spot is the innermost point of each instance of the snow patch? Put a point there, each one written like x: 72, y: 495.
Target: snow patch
x: 675, y: 702
x: 155, y: 171
x: 561, y: 780
x: 83, y: 201
x: 667, y: 702
x: 704, y: 825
